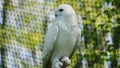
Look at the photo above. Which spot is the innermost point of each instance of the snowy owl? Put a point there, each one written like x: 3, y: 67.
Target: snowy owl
x: 62, y: 38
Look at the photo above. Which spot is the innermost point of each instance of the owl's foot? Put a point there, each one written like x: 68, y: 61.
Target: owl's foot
x: 66, y: 61
x: 57, y: 64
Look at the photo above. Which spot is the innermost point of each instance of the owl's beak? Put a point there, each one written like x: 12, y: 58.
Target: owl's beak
x: 55, y: 15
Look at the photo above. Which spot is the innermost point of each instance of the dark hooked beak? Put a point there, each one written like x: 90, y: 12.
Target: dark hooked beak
x: 55, y: 15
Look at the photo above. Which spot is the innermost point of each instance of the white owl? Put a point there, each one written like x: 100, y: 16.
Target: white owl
x: 62, y: 38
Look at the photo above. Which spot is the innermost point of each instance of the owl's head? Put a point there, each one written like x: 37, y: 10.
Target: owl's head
x: 64, y: 10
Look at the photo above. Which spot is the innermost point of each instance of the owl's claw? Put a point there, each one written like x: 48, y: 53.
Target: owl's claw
x: 66, y: 61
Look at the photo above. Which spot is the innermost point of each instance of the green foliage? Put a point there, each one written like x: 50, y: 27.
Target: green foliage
x: 1, y: 37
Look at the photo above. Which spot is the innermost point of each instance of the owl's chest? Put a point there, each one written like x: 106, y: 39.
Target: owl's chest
x: 67, y: 35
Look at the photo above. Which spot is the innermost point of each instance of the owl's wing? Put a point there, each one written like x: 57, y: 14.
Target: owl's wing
x: 49, y: 44
x: 77, y: 44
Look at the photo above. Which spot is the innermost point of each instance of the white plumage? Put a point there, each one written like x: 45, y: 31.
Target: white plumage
x: 62, y: 38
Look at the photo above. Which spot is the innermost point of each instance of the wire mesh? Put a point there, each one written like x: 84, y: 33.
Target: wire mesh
x: 24, y: 24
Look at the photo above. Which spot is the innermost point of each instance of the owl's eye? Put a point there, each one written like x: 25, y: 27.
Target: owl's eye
x: 60, y: 10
